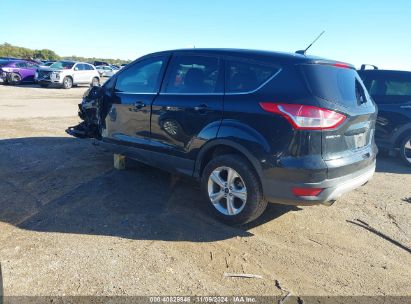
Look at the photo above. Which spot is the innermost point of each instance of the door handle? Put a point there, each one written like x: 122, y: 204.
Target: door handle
x: 139, y: 104
x: 201, y: 107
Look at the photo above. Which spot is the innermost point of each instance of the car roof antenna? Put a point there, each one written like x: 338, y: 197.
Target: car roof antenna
x: 302, y: 52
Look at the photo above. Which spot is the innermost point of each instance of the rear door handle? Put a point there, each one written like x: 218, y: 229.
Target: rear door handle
x: 139, y: 104
x: 201, y: 107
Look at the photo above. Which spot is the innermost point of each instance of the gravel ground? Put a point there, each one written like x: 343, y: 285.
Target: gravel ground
x: 72, y: 225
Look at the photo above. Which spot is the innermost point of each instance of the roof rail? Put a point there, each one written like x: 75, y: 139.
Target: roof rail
x: 363, y: 66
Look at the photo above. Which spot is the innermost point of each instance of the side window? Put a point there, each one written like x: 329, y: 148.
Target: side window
x: 88, y: 67
x: 193, y: 74
x: 77, y: 67
x: 389, y: 89
x: 21, y: 65
x: 245, y: 76
x: 142, y: 77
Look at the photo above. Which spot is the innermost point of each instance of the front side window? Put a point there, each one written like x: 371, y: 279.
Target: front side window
x: 142, y: 77
x: 245, y: 76
x: 193, y: 74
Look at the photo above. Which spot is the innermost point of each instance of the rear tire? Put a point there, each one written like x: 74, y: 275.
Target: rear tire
x: 239, y: 201
x: 67, y: 82
x: 405, y: 150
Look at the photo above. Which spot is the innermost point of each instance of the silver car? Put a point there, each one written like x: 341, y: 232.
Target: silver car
x: 106, y: 71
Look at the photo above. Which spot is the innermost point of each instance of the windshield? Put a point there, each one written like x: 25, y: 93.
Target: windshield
x: 62, y: 65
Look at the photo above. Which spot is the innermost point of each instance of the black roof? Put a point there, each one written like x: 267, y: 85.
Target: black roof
x: 249, y: 53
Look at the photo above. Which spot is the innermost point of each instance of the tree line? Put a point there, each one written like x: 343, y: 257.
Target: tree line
x: 8, y: 50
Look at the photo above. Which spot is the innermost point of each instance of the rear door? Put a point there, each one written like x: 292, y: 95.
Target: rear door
x: 128, y: 119
x: 339, y: 88
x: 190, y: 103
x: 391, y: 90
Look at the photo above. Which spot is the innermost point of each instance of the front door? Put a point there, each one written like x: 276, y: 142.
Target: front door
x: 128, y: 119
x: 189, y: 109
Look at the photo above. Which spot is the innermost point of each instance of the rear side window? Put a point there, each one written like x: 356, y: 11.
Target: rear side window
x: 194, y: 74
x: 247, y: 76
x: 142, y: 77
x: 339, y: 85
x: 388, y: 88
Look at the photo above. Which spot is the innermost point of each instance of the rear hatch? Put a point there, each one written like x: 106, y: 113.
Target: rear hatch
x: 338, y: 87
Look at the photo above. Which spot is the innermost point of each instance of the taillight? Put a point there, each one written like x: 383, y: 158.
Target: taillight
x: 297, y: 191
x: 304, y: 117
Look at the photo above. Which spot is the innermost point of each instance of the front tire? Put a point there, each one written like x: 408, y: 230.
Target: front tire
x: 67, y: 82
x: 405, y: 150
x: 233, y: 190
x: 15, y: 79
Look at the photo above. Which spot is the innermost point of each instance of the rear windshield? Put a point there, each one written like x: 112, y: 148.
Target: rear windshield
x: 340, y: 85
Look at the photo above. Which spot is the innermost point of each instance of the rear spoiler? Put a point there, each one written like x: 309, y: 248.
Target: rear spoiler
x: 363, y: 66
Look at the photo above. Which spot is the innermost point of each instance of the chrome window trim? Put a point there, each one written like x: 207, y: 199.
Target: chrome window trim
x: 258, y: 88
x: 196, y: 94
x: 135, y: 93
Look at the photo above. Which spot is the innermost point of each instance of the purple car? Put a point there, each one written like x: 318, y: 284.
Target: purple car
x: 17, y: 71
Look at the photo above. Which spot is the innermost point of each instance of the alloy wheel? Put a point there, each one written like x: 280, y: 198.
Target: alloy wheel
x: 407, y: 151
x: 227, y: 191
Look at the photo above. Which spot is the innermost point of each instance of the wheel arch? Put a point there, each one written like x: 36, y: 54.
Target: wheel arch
x: 400, y: 134
x: 221, y: 147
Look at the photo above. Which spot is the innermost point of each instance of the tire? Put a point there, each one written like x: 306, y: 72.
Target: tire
x: 67, y: 82
x: 95, y: 82
x: 244, y: 210
x: 14, y: 79
x: 405, y: 150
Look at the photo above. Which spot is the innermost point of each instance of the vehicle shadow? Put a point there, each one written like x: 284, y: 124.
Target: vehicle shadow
x: 67, y: 185
x: 389, y: 164
x: 51, y: 86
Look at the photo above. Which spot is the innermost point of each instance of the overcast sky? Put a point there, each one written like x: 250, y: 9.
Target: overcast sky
x: 362, y: 31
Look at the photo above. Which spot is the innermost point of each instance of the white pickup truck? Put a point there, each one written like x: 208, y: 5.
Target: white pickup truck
x: 67, y: 74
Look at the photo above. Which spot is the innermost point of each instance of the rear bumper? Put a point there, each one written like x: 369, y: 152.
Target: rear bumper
x: 281, y: 192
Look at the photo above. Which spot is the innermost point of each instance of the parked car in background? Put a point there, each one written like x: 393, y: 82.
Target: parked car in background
x: 67, y: 73
x: 391, y: 90
x: 17, y: 71
x: 46, y: 63
x: 106, y: 70
x: 98, y: 63
x: 252, y: 126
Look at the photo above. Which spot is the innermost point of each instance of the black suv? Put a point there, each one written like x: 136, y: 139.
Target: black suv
x: 252, y: 126
x: 391, y: 90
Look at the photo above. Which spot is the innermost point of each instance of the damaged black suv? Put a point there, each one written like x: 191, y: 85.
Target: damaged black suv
x: 252, y: 126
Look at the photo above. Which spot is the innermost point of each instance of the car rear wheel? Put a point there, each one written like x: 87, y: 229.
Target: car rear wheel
x: 67, y: 82
x: 405, y: 150
x: 233, y: 190
x: 15, y: 79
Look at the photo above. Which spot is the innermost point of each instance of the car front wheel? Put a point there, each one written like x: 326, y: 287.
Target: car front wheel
x: 233, y: 190
x: 405, y: 150
x: 67, y: 82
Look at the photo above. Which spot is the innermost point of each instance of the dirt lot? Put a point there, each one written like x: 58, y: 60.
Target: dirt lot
x: 72, y: 225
